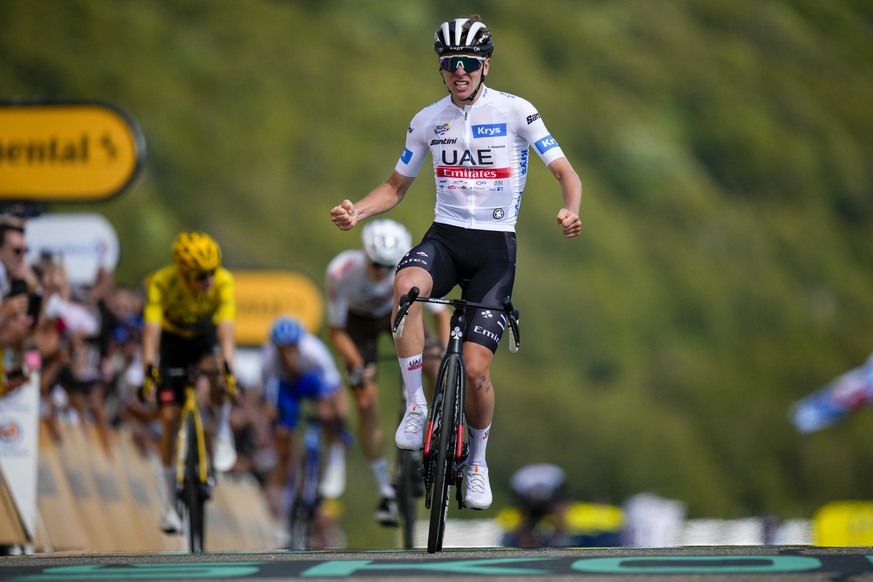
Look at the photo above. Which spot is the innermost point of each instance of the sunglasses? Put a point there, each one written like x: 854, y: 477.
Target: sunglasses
x: 470, y: 64
x: 203, y: 275
x: 383, y: 267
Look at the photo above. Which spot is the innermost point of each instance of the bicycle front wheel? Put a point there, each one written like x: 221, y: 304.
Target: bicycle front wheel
x: 193, y: 496
x: 445, y: 455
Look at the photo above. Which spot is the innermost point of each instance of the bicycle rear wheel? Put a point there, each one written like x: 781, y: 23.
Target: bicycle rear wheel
x: 193, y: 496
x: 445, y: 455
x: 408, y: 487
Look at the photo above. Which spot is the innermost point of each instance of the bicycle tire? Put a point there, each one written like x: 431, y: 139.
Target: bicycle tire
x: 445, y: 457
x: 407, y: 484
x: 306, y: 500
x: 192, y: 491
x: 299, y: 527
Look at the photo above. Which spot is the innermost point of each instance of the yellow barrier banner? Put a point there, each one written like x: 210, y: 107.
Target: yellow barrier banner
x: 261, y: 296
x: 844, y: 523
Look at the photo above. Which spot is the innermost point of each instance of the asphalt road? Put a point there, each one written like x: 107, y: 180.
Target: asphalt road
x: 771, y: 563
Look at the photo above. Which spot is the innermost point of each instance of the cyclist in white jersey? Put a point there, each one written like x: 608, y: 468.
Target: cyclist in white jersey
x: 360, y: 296
x: 479, y: 140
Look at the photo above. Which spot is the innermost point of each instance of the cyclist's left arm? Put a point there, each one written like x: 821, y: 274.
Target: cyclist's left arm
x: 571, y: 190
x: 224, y: 319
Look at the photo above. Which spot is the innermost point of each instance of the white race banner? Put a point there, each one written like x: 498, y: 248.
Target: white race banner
x: 83, y: 242
x: 19, y: 446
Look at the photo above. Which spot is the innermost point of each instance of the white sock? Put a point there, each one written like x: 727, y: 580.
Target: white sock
x: 169, y: 486
x: 380, y: 472
x: 224, y: 420
x: 410, y: 368
x: 478, y: 444
x: 337, y: 453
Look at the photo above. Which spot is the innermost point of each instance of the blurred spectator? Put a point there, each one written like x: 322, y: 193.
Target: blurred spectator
x: 69, y: 339
x: 19, y: 313
x: 13, y: 255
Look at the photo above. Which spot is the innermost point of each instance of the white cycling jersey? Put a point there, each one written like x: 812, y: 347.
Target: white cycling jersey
x: 313, y: 357
x: 351, y: 289
x: 480, y: 156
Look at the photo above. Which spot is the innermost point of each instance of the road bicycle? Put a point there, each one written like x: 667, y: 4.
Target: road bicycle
x: 194, y: 476
x: 446, y: 443
x: 305, y: 502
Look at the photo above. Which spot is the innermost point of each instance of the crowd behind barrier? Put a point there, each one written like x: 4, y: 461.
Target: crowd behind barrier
x: 97, y: 474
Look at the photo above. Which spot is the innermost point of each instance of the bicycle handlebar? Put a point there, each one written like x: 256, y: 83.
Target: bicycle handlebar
x: 409, y: 298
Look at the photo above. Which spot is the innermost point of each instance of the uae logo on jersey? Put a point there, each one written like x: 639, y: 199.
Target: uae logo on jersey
x: 498, y: 213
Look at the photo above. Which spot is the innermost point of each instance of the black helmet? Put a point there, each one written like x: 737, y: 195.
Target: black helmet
x: 463, y: 35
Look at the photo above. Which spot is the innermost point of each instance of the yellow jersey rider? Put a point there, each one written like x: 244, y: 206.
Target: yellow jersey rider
x: 189, y: 320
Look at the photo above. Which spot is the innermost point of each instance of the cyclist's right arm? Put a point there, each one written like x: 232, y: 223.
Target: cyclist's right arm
x: 150, y: 340
x: 151, y: 337
x: 381, y: 199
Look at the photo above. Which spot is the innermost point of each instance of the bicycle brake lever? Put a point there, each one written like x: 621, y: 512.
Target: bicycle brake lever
x: 512, y: 314
x: 403, y: 306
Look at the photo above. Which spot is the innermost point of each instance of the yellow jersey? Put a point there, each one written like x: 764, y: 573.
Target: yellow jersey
x: 183, y: 311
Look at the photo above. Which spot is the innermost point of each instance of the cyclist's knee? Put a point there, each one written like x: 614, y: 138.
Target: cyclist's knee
x: 365, y: 397
x: 478, y: 368
x: 406, y: 279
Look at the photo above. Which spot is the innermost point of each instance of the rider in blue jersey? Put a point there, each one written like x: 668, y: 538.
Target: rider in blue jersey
x: 479, y: 140
x: 297, y: 366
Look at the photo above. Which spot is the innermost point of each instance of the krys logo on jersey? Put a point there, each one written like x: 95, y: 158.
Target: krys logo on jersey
x: 456, y: 163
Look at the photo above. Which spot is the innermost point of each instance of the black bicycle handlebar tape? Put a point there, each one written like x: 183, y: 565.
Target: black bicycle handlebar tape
x: 405, y: 301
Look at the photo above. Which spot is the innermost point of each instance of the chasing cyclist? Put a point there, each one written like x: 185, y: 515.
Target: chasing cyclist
x: 360, y: 295
x: 189, y: 320
x: 479, y: 140
x: 296, y: 365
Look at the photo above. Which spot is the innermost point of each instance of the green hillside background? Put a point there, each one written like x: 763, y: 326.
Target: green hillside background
x: 725, y: 267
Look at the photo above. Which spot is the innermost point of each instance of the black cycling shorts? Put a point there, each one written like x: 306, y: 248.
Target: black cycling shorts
x: 482, y: 262
x: 179, y: 353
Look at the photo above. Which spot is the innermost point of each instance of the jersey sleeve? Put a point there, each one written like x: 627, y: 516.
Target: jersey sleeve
x: 319, y: 360
x: 416, y: 148
x: 532, y: 128
x: 153, y: 312
x: 226, y: 310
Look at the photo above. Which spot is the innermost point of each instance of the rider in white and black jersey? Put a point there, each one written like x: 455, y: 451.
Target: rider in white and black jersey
x: 479, y: 140
x: 480, y: 157
x: 360, y: 296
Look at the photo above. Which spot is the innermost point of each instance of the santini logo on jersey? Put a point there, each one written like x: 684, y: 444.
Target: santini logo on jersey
x: 406, y: 155
x: 472, y: 173
x: 490, y: 130
x: 546, y: 144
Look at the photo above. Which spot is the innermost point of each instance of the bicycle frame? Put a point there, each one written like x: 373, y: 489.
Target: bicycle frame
x: 445, y: 445
x: 192, y: 468
x: 306, y: 498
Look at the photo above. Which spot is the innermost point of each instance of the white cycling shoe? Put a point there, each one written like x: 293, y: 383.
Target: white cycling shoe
x: 410, y: 433
x: 224, y: 456
x: 171, y: 523
x: 333, y: 482
x: 478, y: 493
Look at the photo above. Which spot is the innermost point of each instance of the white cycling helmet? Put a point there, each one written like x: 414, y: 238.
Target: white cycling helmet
x: 386, y: 241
